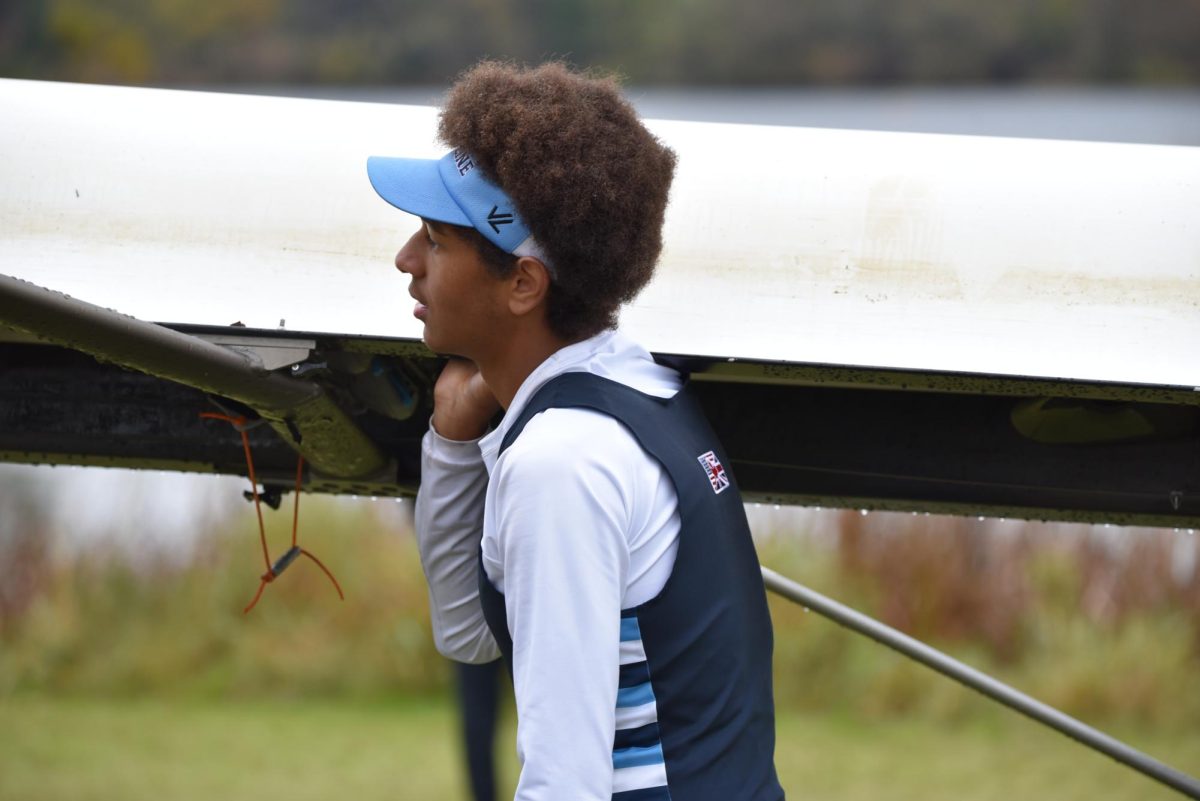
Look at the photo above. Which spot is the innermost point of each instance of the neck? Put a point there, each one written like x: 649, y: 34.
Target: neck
x: 514, y: 359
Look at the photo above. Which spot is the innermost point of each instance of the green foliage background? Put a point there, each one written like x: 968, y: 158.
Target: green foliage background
x: 1107, y: 628
x: 699, y: 42
x: 129, y: 670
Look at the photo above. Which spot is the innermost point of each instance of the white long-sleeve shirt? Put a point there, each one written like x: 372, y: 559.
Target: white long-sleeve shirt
x: 576, y: 523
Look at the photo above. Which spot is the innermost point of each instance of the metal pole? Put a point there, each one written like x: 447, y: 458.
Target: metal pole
x: 997, y: 691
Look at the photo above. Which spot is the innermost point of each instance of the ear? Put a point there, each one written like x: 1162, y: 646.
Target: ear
x: 528, y: 286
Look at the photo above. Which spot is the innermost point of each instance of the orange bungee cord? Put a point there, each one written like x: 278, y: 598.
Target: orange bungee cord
x: 289, y: 556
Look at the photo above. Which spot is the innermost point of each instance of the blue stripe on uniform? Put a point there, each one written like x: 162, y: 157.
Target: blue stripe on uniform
x: 633, y: 674
x: 635, y: 696
x: 638, y: 737
x: 635, y: 757
x: 630, y: 629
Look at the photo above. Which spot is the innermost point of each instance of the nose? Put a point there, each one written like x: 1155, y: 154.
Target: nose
x: 408, y: 258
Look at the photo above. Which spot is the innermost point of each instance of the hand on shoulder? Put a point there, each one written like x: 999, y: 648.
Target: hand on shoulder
x: 463, y: 403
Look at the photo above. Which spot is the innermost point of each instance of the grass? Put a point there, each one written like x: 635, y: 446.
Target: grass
x: 133, y: 678
x: 86, y: 748
x: 80, y: 749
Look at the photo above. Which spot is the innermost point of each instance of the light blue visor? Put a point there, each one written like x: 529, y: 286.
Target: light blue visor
x: 450, y: 190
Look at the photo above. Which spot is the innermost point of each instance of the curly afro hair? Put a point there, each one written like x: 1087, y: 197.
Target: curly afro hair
x: 588, y: 178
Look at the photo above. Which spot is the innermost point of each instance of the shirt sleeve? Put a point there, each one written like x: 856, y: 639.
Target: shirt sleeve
x: 449, y: 525
x: 561, y: 497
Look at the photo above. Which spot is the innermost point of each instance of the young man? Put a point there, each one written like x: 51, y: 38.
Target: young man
x: 595, y: 539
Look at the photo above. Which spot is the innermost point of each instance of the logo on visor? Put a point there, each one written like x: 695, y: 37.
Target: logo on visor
x: 496, y: 220
x: 462, y: 160
x: 716, y: 473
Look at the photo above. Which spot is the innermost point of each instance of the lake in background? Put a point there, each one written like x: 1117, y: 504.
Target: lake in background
x: 1147, y: 116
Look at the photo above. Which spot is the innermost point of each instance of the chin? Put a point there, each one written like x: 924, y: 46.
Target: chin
x: 437, y: 346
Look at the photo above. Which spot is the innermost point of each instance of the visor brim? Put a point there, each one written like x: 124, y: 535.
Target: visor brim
x: 414, y: 186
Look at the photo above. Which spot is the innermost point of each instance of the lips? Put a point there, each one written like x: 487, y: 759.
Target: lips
x: 420, y: 309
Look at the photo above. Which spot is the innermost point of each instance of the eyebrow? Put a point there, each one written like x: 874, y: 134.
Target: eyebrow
x: 434, y: 226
